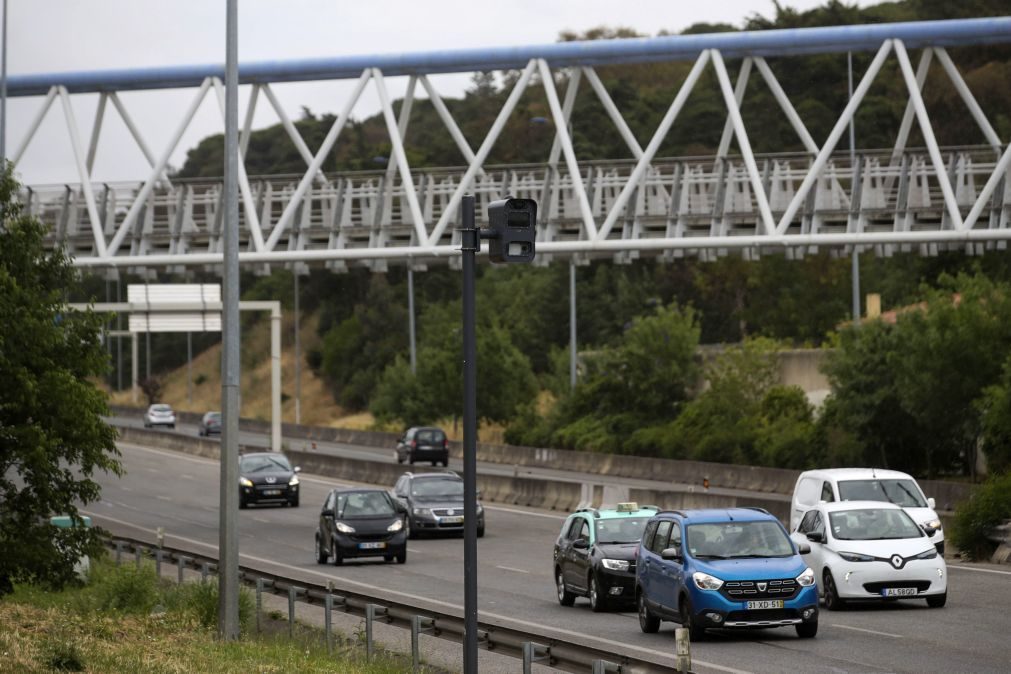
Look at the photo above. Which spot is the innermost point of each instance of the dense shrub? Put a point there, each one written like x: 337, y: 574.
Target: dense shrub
x: 989, y: 506
x: 125, y: 588
x: 200, y: 600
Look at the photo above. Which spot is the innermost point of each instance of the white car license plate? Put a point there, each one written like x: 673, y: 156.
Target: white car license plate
x: 374, y: 545
x: 764, y: 604
x: 271, y: 492
x: 899, y: 592
x: 452, y: 520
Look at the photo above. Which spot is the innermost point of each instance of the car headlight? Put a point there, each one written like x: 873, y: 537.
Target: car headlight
x: 344, y: 528
x: 480, y: 509
x: 806, y: 579
x: 245, y: 482
x: 293, y: 482
x: 856, y: 557
x: 927, y: 554
x: 396, y: 526
x: 423, y: 512
x: 704, y: 581
x: 932, y: 524
x: 615, y: 564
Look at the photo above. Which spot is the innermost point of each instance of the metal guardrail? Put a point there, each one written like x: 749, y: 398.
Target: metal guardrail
x: 528, y: 646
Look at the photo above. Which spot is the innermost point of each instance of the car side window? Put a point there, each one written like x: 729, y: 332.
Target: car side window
x: 584, y: 530
x: 328, y: 505
x: 826, y: 493
x: 573, y: 531
x: 807, y: 524
x: 647, y: 535
x: 660, y: 539
x: 817, y: 524
x: 675, y: 536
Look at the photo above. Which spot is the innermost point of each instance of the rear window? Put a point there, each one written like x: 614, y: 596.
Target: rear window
x: 161, y: 408
x: 902, y: 492
x: 433, y: 436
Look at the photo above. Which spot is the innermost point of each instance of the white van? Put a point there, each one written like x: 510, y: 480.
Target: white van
x: 865, y: 484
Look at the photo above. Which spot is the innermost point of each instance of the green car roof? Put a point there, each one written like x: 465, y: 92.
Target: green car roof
x: 66, y: 522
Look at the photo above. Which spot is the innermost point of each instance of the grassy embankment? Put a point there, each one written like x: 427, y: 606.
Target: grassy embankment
x: 127, y: 620
x: 318, y: 407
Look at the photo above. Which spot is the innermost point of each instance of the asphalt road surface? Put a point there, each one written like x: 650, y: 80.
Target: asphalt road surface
x: 179, y: 492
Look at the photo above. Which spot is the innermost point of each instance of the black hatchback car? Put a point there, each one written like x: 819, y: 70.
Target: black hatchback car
x: 434, y: 503
x: 423, y: 443
x: 361, y: 523
x: 267, y: 477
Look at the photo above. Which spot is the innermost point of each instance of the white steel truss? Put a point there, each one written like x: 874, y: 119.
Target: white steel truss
x: 924, y: 199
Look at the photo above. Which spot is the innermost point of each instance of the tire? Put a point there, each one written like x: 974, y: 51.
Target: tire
x: 335, y: 554
x: 294, y: 502
x: 411, y: 533
x: 832, y: 600
x: 434, y: 464
x: 937, y: 600
x: 598, y: 603
x: 321, y: 555
x: 696, y: 632
x: 648, y: 622
x: 242, y: 503
x: 402, y: 556
x: 445, y: 463
x: 480, y: 531
x: 387, y: 558
x: 565, y: 598
x: 807, y: 630
x: 396, y: 455
x: 172, y: 426
x: 411, y: 457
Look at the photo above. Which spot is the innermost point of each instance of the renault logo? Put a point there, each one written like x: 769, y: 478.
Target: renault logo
x: 896, y: 561
x: 762, y: 586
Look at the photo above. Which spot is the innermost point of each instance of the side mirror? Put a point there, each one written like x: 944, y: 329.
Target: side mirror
x: 581, y: 544
x: 932, y: 503
x: 297, y: 469
x: 930, y: 531
x: 671, y: 554
x: 328, y: 513
x: 804, y: 549
x: 816, y: 537
x: 401, y: 508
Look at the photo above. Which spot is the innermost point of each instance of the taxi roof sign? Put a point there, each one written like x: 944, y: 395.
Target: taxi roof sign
x: 627, y: 507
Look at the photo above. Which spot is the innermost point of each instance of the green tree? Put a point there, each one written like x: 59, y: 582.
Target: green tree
x: 995, y: 408
x: 52, y: 436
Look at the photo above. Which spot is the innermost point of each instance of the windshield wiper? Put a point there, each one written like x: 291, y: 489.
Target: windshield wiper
x: 711, y: 557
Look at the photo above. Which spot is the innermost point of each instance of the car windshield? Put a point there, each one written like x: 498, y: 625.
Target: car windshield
x: 730, y: 540
x: 430, y: 436
x: 364, y: 504
x: 439, y: 488
x: 620, y: 530
x: 161, y: 408
x: 213, y: 416
x: 902, y: 492
x: 261, y: 463
x: 873, y: 524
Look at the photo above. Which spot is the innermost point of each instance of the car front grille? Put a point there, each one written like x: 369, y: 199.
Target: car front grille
x: 444, y: 512
x: 370, y: 537
x: 748, y: 590
x: 877, y: 587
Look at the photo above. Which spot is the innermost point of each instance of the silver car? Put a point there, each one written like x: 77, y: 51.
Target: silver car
x: 159, y: 414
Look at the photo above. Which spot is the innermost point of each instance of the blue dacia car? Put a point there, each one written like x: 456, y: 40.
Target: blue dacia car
x: 731, y: 568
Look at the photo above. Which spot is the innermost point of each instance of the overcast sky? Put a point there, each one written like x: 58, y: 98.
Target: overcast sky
x: 71, y: 35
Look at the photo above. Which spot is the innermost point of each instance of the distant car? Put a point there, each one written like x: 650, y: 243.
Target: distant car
x: 159, y: 414
x: 210, y: 424
x: 361, y: 523
x: 267, y: 477
x: 434, y: 503
x: 866, y: 484
x: 595, y: 554
x: 871, y: 550
x: 725, y: 568
x: 423, y: 443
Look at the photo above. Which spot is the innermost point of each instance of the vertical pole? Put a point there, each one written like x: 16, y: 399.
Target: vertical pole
x: 572, y: 323
x: 134, y: 374
x: 410, y: 318
x: 147, y: 354
x: 275, y: 378
x: 3, y: 93
x: 119, y: 339
x: 298, y: 354
x: 471, y: 243
x: 108, y: 324
x: 855, y: 267
x: 328, y: 621
x: 259, y: 602
x: 189, y: 369
x: 292, y: 591
x: 228, y: 533
x: 370, y: 616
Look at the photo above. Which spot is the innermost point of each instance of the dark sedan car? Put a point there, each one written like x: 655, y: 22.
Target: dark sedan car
x: 434, y: 502
x: 361, y: 523
x: 423, y: 443
x: 210, y: 424
x: 267, y: 477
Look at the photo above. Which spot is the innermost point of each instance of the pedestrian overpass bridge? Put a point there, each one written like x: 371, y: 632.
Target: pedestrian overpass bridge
x: 922, y: 199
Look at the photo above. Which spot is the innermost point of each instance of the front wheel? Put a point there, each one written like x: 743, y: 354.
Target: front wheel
x: 335, y: 554
x: 321, y: 555
x: 565, y: 598
x: 597, y: 602
x: 294, y: 502
x: 648, y: 622
x: 696, y: 632
x: 937, y: 600
x: 807, y: 630
x: 402, y: 556
x: 832, y: 600
x: 411, y: 533
x: 480, y: 531
x: 396, y: 455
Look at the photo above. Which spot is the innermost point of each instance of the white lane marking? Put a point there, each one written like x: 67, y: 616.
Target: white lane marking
x: 260, y: 519
x: 163, y: 498
x: 456, y: 607
x: 972, y: 568
x: 523, y: 512
x: 186, y: 476
x: 861, y: 629
x: 125, y: 488
x: 510, y: 568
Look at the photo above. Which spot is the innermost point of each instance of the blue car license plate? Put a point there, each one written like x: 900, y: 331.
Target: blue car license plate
x: 373, y: 545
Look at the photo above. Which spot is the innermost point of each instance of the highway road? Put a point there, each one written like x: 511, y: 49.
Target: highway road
x: 179, y: 492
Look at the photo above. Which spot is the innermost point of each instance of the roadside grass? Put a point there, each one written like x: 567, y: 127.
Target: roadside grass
x: 129, y: 620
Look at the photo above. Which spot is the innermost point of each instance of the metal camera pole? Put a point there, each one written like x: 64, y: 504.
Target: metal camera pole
x: 471, y: 244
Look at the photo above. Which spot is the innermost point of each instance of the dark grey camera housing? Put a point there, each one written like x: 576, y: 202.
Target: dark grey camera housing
x: 513, y: 230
